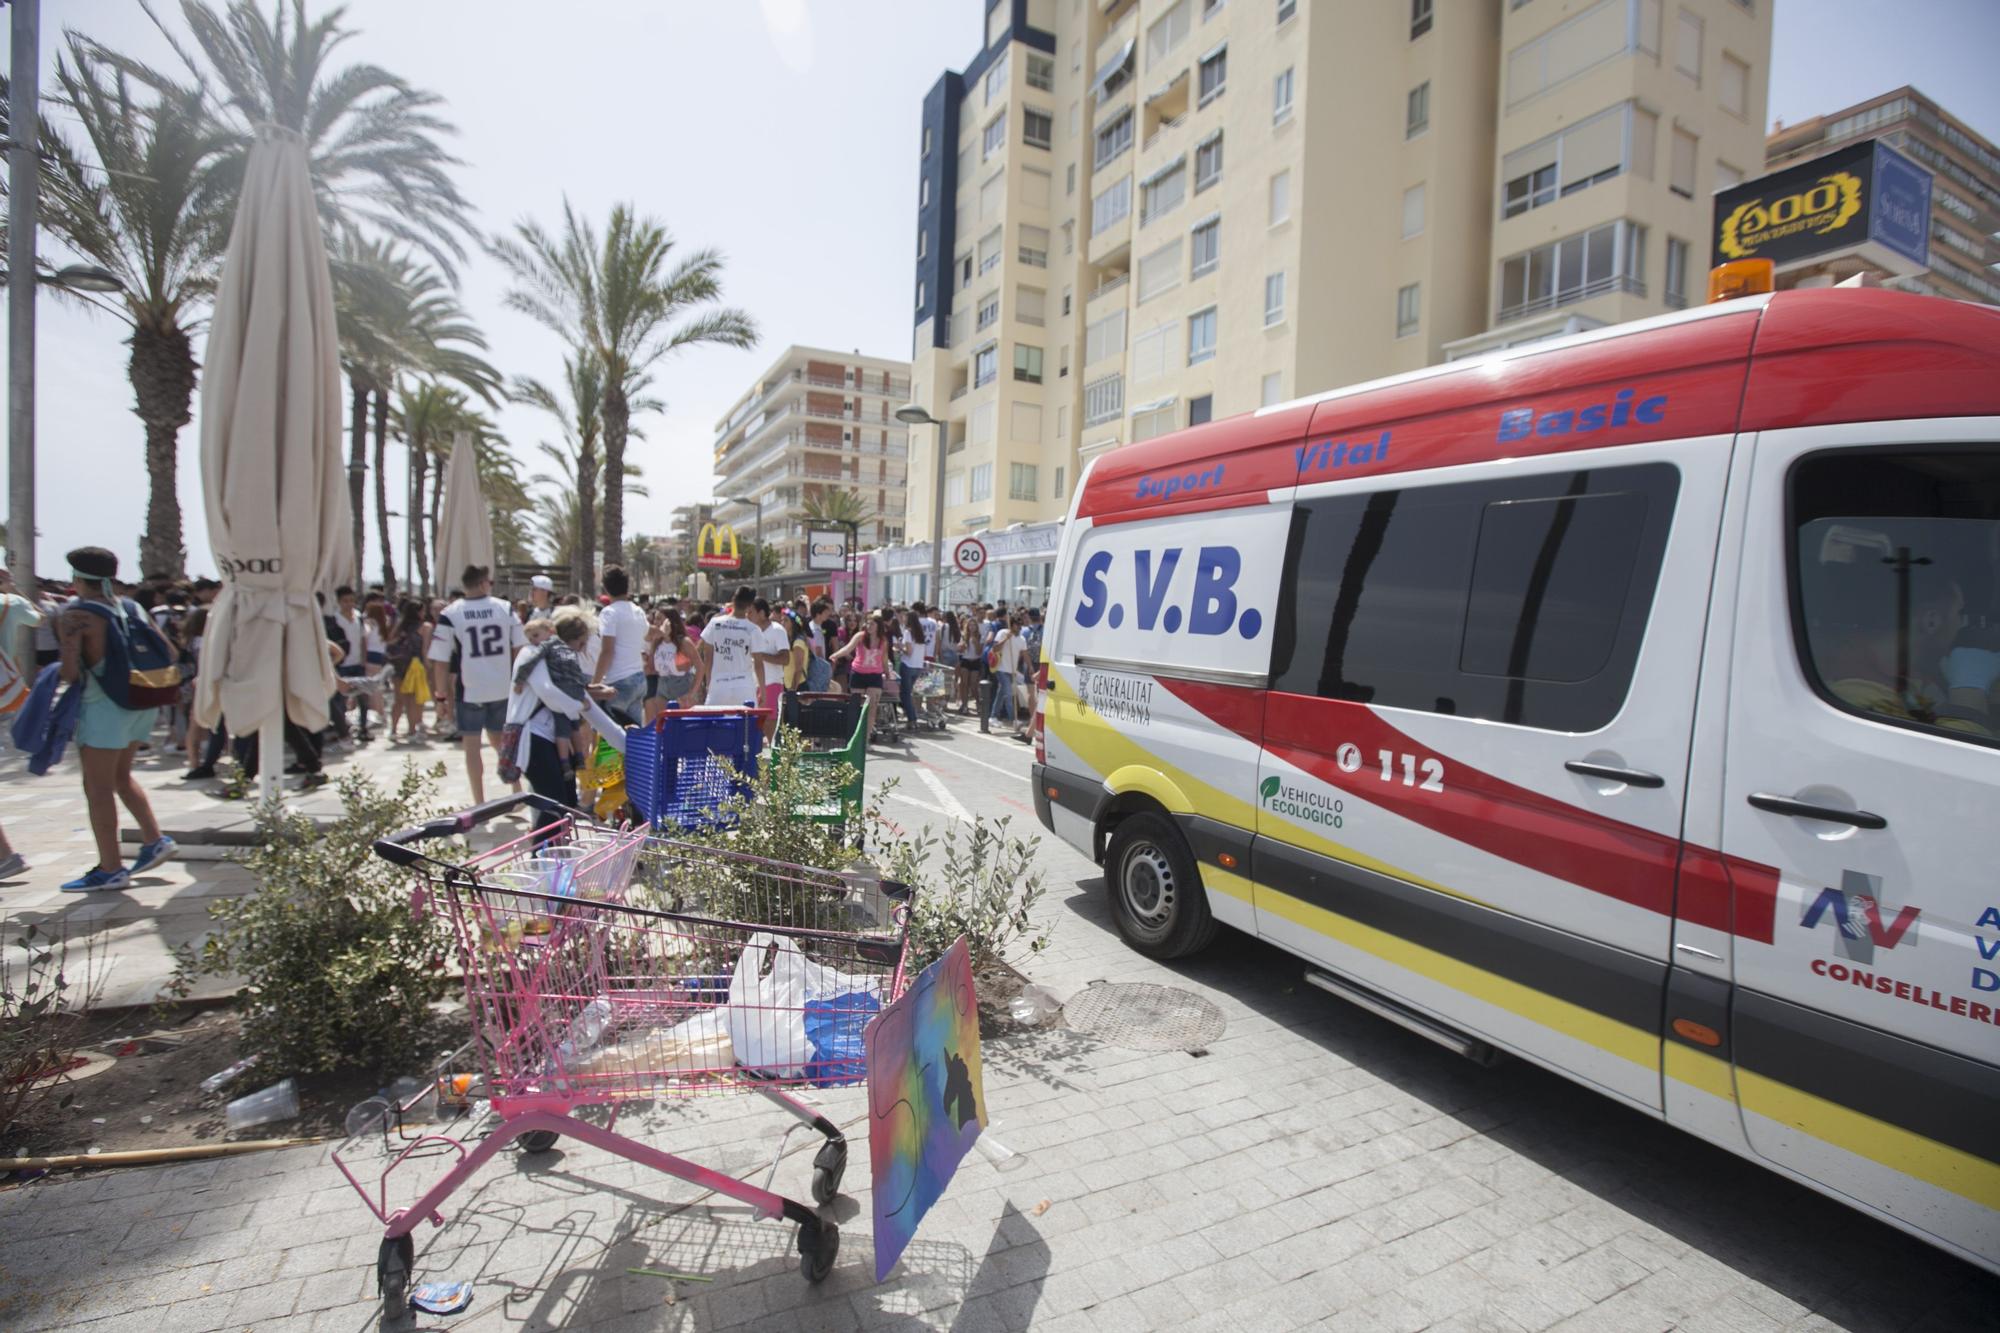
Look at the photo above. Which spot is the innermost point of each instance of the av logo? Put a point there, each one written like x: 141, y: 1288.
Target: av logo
x: 1856, y: 909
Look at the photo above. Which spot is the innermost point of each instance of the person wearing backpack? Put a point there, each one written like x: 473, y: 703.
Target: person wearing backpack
x: 128, y: 671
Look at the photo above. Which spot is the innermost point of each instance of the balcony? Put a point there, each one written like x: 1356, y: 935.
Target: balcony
x: 1112, y: 283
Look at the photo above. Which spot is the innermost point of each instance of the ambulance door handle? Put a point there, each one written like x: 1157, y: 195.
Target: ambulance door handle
x: 1785, y: 805
x: 1631, y: 777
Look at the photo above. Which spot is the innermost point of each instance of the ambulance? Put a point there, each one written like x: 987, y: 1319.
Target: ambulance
x: 1627, y: 703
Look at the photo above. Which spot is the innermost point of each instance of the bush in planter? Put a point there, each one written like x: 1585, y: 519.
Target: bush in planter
x: 339, y: 973
x: 974, y: 880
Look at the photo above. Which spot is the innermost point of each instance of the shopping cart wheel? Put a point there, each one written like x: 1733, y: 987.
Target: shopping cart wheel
x: 539, y: 1140
x: 818, y: 1248
x: 393, y: 1264
x: 828, y: 1167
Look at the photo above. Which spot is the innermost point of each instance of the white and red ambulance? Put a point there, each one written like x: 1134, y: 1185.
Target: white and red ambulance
x: 1625, y: 702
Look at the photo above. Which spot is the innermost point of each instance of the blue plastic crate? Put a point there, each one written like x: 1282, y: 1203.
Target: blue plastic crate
x: 678, y: 769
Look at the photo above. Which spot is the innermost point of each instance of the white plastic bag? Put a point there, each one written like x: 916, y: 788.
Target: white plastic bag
x: 767, y: 1003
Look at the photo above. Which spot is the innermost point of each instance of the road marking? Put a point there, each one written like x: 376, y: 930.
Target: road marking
x: 951, y: 805
x: 898, y: 795
x: 1003, y: 772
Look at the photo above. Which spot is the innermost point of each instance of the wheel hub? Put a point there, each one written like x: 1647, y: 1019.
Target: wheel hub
x: 1148, y: 885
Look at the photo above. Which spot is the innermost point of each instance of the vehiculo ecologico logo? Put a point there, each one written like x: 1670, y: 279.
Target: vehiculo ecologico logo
x: 1861, y: 920
x: 1302, y: 803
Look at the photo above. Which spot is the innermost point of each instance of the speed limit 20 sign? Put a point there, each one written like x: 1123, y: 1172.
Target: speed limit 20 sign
x: 969, y: 556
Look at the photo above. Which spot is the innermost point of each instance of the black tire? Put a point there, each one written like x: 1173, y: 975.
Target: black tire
x: 828, y: 1167
x: 1156, y: 894
x: 539, y: 1140
x: 818, y: 1248
x: 394, y: 1263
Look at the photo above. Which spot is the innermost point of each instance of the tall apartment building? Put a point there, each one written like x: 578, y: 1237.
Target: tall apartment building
x: 1965, y: 184
x: 1134, y: 215
x: 815, y: 421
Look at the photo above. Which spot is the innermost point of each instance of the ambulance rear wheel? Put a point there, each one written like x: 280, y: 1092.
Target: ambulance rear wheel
x: 1156, y: 894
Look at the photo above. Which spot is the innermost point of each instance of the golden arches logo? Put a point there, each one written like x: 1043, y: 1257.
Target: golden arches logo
x: 710, y: 545
x: 1832, y: 202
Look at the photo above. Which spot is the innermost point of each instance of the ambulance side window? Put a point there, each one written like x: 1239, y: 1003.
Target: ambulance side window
x: 1519, y: 600
x: 1896, y: 586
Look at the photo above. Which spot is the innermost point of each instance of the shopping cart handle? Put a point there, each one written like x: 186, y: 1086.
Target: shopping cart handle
x: 396, y: 847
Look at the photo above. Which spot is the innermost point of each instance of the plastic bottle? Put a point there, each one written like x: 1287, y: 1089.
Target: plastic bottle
x: 218, y: 1081
x: 280, y: 1101
x: 585, y: 1031
x: 1034, y: 1006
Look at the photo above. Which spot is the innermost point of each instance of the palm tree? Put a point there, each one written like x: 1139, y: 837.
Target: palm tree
x: 579, y: 412
x: 625, y: 299
x: 427, y: 414
x: 396, y: 315
x: 372, y: 139
x: 837, y: 506
x: 154, y: 209
x: 644, y: 563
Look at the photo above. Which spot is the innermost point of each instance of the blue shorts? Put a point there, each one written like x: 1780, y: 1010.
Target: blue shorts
x: 475, y: 718
x: 631, y: 696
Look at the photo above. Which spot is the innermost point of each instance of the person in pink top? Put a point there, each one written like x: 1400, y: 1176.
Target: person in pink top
x: 870, y: 650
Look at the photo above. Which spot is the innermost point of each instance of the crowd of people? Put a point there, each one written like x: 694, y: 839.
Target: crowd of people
x: 535, y: 680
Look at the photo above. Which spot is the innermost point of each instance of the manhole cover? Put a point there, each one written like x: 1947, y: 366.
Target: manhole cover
x: 1143, y: 1017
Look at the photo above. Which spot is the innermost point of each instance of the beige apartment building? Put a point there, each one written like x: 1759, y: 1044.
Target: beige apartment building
x: 1135, y: 215
x: 814, y: 422
x: 1965, y: 182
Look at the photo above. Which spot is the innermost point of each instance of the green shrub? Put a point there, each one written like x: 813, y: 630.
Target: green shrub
x: 43, y: 996
x: 339, y: 973
x: 975, y: 880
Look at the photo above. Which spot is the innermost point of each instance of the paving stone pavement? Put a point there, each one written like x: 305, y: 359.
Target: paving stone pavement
x: 1314, y: 1168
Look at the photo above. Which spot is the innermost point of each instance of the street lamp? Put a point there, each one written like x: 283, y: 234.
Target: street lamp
x: 912, y: 415
x: 756, y: 542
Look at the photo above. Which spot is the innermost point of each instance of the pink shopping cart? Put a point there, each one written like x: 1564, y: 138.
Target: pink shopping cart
x: 605, y: 966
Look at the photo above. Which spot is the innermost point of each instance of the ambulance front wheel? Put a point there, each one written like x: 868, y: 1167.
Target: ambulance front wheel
x: 1156, y: 893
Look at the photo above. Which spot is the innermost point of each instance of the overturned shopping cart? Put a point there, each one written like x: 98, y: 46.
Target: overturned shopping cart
x: 605, y: 966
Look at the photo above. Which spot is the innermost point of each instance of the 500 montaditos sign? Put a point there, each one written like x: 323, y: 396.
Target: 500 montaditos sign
x: 1829, y: 205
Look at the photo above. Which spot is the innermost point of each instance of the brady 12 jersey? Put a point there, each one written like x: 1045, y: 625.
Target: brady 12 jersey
x: 485, y: 634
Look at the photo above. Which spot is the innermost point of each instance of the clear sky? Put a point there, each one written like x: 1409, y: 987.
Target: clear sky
x: 783, y: 132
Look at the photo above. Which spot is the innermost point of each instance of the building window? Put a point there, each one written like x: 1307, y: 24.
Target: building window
x: 1041, y: 72
x: 923, y: 245
x: 989, y: 251
x: 1027, y: 363
x: 1037, y: 127
x: 1687, y: 45
x: 1104, y: 338
x: 1281, y: 98
x: 1103, y: 400
x: 927, y: 141
x: 1274, y: 299
x: 1056, y: 486
x: 1586, y: 154
x: 1444, y: 599
x: 1164, y: 192
x: 1286, y: 8
x: 1734, y: 92
x: 1152, y: 349
x: 1208, y: 162
x: 1113, y: 138
x: 982, y: 483
x: 1069, y: 180
x: 1213, y: 75
x: 1281, y: 198
x: 996, y: 77
x: 1034, y: 250
x: 1417, y: 114
x: 1065, y: 301
x: 1674, y: 289
x: 1201, y: 410
x: 1160, y: 270
x: 1201, y: 335
x: 1062, y: 362
x: 1168, y: 32
x: 985, y: 365
x: 1205, y: 247
x: 1420, y: 18
x: 1021, y: 481
x: 924, y: 193
x: 1152, y: 421
x: 1413, y: 211
x: 1272, y: 391
x: 1608, y: 258
x: 1726, y: 177
x: 1208, y: 8
x: 989, y: 313
x: 1686, y: 149
x: 920, y: 294
x: 1408, y: 309
x: 965, y: 271
x: 996, y: 136
x: 1595, y: 35
x: 1112, y: 205
x: 954, y: 489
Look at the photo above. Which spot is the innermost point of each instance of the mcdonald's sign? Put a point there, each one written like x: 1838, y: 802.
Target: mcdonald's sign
x: 715, y: 547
